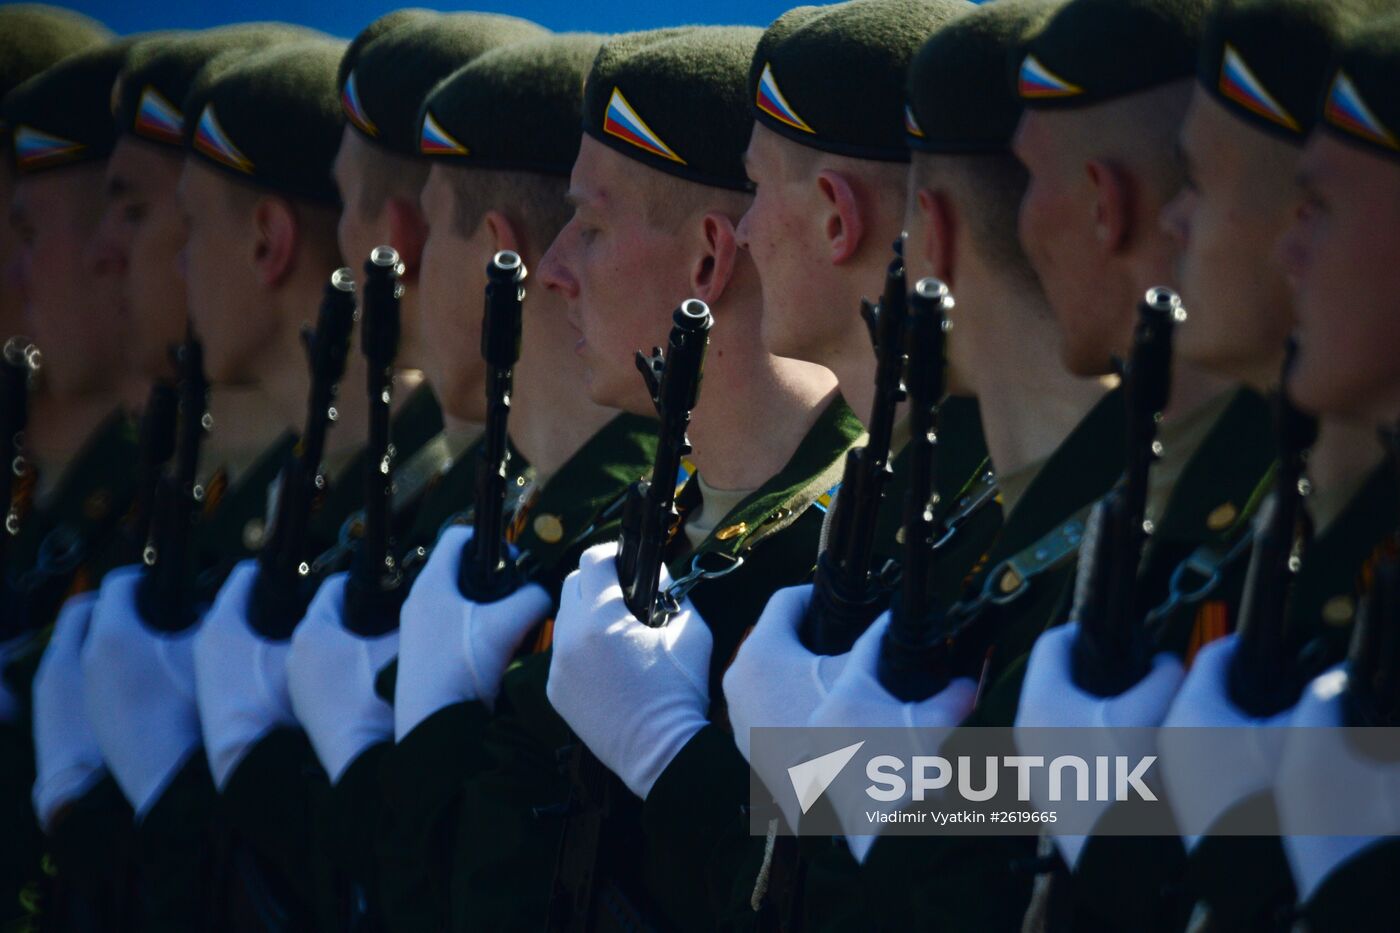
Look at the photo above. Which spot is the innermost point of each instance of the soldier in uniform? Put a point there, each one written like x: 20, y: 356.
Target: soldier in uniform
x: 657, y: 189
x: 1261, y: 77
x: 140, y: 234
x: 1339, y: 254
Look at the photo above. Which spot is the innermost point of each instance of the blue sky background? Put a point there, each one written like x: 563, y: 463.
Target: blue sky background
x: 347, y: 17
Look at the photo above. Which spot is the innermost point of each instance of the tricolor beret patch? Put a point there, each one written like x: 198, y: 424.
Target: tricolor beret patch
x: 1347, y: 110
x: 354, y: 110
x: 434, y: 140
x: 157, y: 118
x: 624, y: 123
x: 772, y: 102
x: 210, y: 139
x: 35, y: 149
x: 1239, y: 84
x: 911, y: 124
x: 1036, y: 82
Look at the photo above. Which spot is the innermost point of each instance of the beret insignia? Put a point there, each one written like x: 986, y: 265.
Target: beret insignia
x: 772, y: 102
x: 624, y: 123
x: 210, y: 139
x: 1239, y: 84
x: 354, y: 110
x: 1037, y: 82
x: 157, y: 118
x: 435, y: 140
x: 911, y: 124
x: 35, y: 149
x: 1347, y: 110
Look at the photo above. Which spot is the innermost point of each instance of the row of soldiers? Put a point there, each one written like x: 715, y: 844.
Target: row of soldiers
x: 261, y: 673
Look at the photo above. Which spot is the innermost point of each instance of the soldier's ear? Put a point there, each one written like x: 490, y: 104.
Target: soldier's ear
x: 714, y: 269
x: 277, y: 231
x: 408, y: 231
x: 502, y: 232
x: 843, y: 223
x: 937, y: 233
x: 1113, y: 204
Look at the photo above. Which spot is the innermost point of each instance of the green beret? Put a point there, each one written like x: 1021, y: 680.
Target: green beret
x: 833, y: 77
x: 1361, y: 105
x: 385, y: 23
x: 34, y: 36
x: 160, y: 72
x: 1093, y: 51
x: 1268, y: 61
x: 384, y: 90
x: 63, y: 116
x: 675, y: 99
x: 271, y: 118
x: 518, y: 107
x: 959, y: 98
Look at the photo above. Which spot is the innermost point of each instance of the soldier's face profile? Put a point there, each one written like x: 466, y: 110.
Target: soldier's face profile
x: 451, y: 280
x: 1342, y: 254
x: 1057, y: 230
x: 143, y: 230
x: 362, y: 226
x: 620, y: 276
x: 72, y: 295
x: 799, y: 320
x: 227, y: 304
x: 1238, y: 196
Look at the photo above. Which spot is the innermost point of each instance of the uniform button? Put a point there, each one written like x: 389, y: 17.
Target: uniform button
x: 1339, y: 610
x: 548, y: 528
x: 1223, y: 517
x: 253, y: 534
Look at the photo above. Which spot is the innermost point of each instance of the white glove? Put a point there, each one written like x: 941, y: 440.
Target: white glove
x: 774, y: 680
x: 10, y: 649
x: 1050, y: 697
x: 1320, y: 773
x: 451, y: 649
x: 1248, y: 765
x: 859, y: 700
x: 635, y: 695
x: 241, y: 677
x: 138, y: 690
x: 67, y: 761
x: 330, y: 674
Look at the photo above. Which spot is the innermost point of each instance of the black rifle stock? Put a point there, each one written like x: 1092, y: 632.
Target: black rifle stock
x: 1265, y: 677
x: 647, y: 519
x: 487, y: 573
x: 1111, y: 652
x: 373, y: 591
x: 15, y: 371
x: 846, y: 597
x: 649, y: 512
x: 279, y: 597
x: 1373, y: 658
x: 165, y: 596
x: 913, y: 663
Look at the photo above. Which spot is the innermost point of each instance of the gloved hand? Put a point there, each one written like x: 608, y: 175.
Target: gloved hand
x: 240, y: 677
x: 330, y: 676
x: 452, y: 650
x: 67, y: 761
x: 10, y: 649
x: 1321, y: 772
x: 858, y: 699
x: 1050, y: 697
x: 774, y: 680
x: 1248, y: 765
x: 635, y: 695
x: 138, y: 690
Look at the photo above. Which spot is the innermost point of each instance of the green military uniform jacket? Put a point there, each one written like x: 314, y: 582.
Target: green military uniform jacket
x: 419, y: 778
x: 506, y: 854
x: 1020, y: 585
x: 61, y: 548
